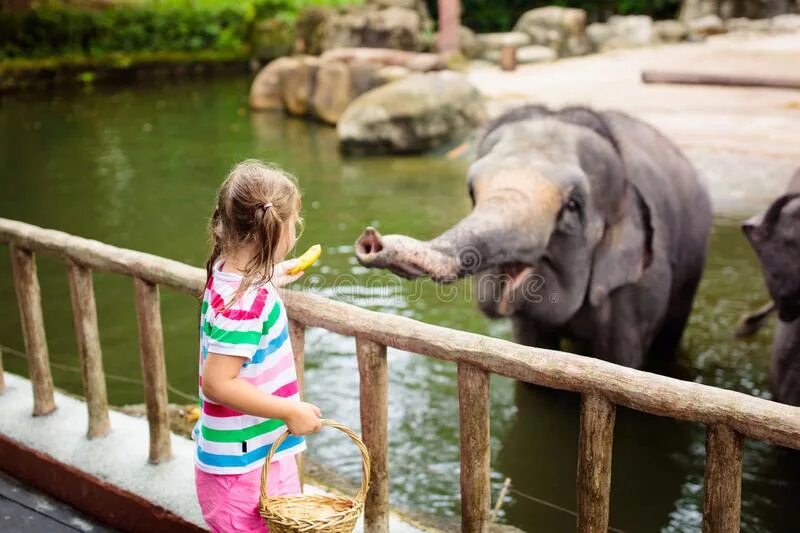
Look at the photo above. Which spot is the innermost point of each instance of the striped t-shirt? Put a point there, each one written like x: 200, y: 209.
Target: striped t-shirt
x: 254, y: 327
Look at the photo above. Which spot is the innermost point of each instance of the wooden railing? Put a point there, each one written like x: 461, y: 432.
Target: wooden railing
x: 729, y: 416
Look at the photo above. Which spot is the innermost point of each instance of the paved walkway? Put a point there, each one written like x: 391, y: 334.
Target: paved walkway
x: 25, y: 510
x: 744, y: 141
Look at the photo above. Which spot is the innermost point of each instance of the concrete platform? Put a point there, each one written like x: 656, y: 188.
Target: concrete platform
x: 117, y: 461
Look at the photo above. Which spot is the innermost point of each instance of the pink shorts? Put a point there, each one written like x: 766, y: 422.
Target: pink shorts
x: 230, y: 501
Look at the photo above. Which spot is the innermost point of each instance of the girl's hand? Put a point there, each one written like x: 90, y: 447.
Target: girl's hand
x: 304, y: 419
x: 279, y: 275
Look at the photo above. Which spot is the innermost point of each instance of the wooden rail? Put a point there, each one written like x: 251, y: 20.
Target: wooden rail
x: 730, y: 416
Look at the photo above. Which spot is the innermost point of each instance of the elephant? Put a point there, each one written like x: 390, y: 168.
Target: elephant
x: 775, y: 237
x: 586, y: 225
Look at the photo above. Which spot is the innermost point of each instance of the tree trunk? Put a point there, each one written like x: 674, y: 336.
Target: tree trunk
x: 449, y: 23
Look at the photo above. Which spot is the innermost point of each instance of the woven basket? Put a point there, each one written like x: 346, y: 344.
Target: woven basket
x: 314, y: 513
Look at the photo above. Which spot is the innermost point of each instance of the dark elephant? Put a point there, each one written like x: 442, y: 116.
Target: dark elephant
x: 586, y: 225
x: 775, y: 236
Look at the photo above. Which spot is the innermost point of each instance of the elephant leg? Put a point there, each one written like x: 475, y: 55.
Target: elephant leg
x: 618, y: 329
x: 785, y: 364
x: 525, y: 331
x: 668, y: 339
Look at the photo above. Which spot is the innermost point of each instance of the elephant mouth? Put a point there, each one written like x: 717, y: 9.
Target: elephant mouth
x: 515, y: 284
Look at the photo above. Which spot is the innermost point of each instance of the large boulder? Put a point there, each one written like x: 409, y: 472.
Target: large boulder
x: 562, y: 29
x: 400, y: 24
x: 786, y: 22
x: 333, y: 91
x: 266, y: 92
x: 706, y: 25
x: 670, y: 31
x: 532, y: 53
x: 415, y: 114
x: 630, y: 32
x: 385, y: 57
x: 298, y: 83
x: 725, y: 9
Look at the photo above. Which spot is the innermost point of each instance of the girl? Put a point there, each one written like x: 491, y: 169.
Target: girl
x: 248, y: 386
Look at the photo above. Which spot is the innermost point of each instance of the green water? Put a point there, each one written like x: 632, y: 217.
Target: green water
x: 138, y: 168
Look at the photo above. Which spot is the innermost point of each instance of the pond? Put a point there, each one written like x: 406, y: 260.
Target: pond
x: 138, y: 168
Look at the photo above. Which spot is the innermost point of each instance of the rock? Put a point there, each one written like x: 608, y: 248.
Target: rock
x: 706, y: 25
x: 344, y: 30
x: 743, y: 24
x: 265, y: 91
x: 629, y: 32
x: 693, y: 9
x: 468, y: 42
x: 384, y: 56
x: 333, y: 91
x: 417, y: 113
x: 297, y: 82
x: 599, y: 33
x: 786, y: 23
x: 391, y: 73
x: 562, y: 29
x: 363, y: 75
x: 310, y: 28
x: 394, y: 27
x: 496, y: 41
x: 670, y: 31
x: 532, y: 53
x: 726, y: 9
x: 271, y: 39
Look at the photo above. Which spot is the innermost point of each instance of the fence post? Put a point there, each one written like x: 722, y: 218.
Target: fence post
x: 297, y: 336
x: 374, y: 404
x: 154, y: 372
x: 722, y: 500
x: 473, y: 398
x: 594, y: 463
x: 2, y: 374
x: 84, y: 316
x: 29, y: 299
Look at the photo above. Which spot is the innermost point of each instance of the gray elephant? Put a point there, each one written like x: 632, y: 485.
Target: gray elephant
x: 775, y: 236
x: 586, y: 225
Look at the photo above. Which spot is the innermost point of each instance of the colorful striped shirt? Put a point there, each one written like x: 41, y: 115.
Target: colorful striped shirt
x: 254, y: 327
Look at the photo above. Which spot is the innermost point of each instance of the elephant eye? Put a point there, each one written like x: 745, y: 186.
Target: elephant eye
x: 572, y: 205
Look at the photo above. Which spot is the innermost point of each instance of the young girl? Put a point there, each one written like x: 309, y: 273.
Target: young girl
x: 248, y: 385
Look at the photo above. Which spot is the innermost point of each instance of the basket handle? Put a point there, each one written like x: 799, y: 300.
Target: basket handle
x: 365, y: 463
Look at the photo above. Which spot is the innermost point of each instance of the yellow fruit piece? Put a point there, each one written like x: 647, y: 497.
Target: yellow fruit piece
x: 193, y: 414
x: 306, y: 260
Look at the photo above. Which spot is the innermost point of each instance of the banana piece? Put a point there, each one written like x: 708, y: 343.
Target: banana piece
x: 306, y: 260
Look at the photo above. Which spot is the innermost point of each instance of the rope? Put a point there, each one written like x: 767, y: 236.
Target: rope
x: 551, y: 505
x: 113, y: 377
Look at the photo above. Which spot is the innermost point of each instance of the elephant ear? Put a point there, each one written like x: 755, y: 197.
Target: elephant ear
x: 625, y: 250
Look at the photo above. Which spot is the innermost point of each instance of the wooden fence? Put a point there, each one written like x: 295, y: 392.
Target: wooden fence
x: 729, y: 416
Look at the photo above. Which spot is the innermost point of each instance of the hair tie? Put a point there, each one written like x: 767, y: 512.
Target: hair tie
x: 266, y: 206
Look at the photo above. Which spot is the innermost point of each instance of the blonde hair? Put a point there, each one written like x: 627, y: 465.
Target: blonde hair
x: 254, y: 203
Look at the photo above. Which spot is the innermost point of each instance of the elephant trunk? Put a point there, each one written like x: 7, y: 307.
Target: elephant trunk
x: 481, y: 240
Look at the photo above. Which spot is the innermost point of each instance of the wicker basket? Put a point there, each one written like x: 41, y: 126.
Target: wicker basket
x: 314, y: 513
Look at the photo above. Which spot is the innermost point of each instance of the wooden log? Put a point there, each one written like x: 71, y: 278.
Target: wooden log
x: 297, y: 335
x: 374, y: 402
x: 752, y: 417
x: 725, y: 80
x: 84, y: 317
x: 103, y: 257
x: 594, y: 463
x: 508, y: 58
x: 473, y: 409
x: 29, y: 300
x: 154, y: 372
x: 722, y: 500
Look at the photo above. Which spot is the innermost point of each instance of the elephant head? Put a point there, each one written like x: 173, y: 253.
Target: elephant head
x: 775, y: 237
x: 554, y: 220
